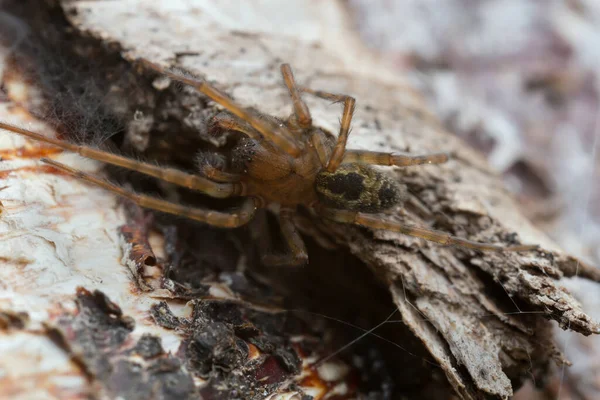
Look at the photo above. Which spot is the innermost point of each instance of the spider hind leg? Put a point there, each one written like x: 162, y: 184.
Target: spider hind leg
x: 213, y: 166
x: 298, y: 255
x: 376, y: 222
x: 216, y: 218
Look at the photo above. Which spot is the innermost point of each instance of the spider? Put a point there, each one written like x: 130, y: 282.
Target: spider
x: 290, y: 162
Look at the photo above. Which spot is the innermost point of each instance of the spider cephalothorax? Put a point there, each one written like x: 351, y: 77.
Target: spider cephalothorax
x: 285, y: 161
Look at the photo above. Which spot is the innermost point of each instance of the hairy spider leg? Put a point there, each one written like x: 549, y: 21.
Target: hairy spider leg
x: 339, y: 149
x: 220, y: 219
x: 298, y: 255
x: 391, y: 159
x: 317, y: 140
x: 376, y: 222
x: 301, y: 112
x: 172, y: 175
x: 215, y: 174
x: 340, y: 146
x: 280, y: 136
x: 375, y: 157
x: 336, y: 98
x: 227, y: 121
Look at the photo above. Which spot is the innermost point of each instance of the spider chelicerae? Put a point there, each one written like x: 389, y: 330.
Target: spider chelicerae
x: 290, y: 162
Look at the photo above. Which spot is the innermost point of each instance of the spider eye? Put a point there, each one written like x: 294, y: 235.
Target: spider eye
x: 358, y: 187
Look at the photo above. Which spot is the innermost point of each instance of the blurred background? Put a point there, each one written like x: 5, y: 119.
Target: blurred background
x: 519, y: 80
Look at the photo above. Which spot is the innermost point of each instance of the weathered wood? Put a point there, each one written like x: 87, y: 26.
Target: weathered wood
x: 482, y: 317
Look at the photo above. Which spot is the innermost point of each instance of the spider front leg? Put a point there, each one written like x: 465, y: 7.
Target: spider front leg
x: 227, y: 121
x: 211, y: 165
x: 301, y: 115
x: 391, y: 159
x: 298, y: 255
x: 339, y: 149
x: 376, y: 222
x: 171, y: 175
x: 364, y: 156
x: 278, y: 135
x: 215, y: 218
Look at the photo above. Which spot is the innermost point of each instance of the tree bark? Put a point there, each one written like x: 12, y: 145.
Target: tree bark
x: 138, y: 305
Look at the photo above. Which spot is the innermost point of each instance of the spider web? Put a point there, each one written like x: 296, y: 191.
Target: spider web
x: 583, y: 220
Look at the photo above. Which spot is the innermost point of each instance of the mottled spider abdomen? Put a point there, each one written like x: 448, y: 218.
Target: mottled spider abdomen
x: 358, y: 187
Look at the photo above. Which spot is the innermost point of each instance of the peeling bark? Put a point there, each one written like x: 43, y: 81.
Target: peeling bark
x: 477, y: 322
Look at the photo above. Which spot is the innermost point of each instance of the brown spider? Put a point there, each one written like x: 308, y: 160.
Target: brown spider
x: 289, y: 162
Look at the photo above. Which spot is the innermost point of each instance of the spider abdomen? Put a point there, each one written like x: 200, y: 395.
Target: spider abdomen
x: 358, y: 187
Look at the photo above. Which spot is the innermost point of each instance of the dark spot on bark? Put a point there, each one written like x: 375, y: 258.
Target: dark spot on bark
x: 163, y: 316
x: 165, y: 365
x: 271, y: 371
x: 14, y: 320
x: 97, y: 337
x: 377, y: 124
x: 289, y: 359
x: 148, y: 346
x: 246, y: 331
x: 219, y: 311
x: 263, y: 344
x: 215, y: 347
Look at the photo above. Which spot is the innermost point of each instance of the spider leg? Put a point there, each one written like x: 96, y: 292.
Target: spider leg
x: 212, y: 166
x: 376, y: 222
x: 215, y: 218
x: 298, y: 255
x: 399, y: 160
x: 373, y: 157
x: 318, y: 140
x: 340, y: 146
x: 336, y: 98
x: 226, y: 121
x: 172, y: 175
x: 313, y: 229
x: 215, y: 174
x: 278, y: 135
x: 301, y: 112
